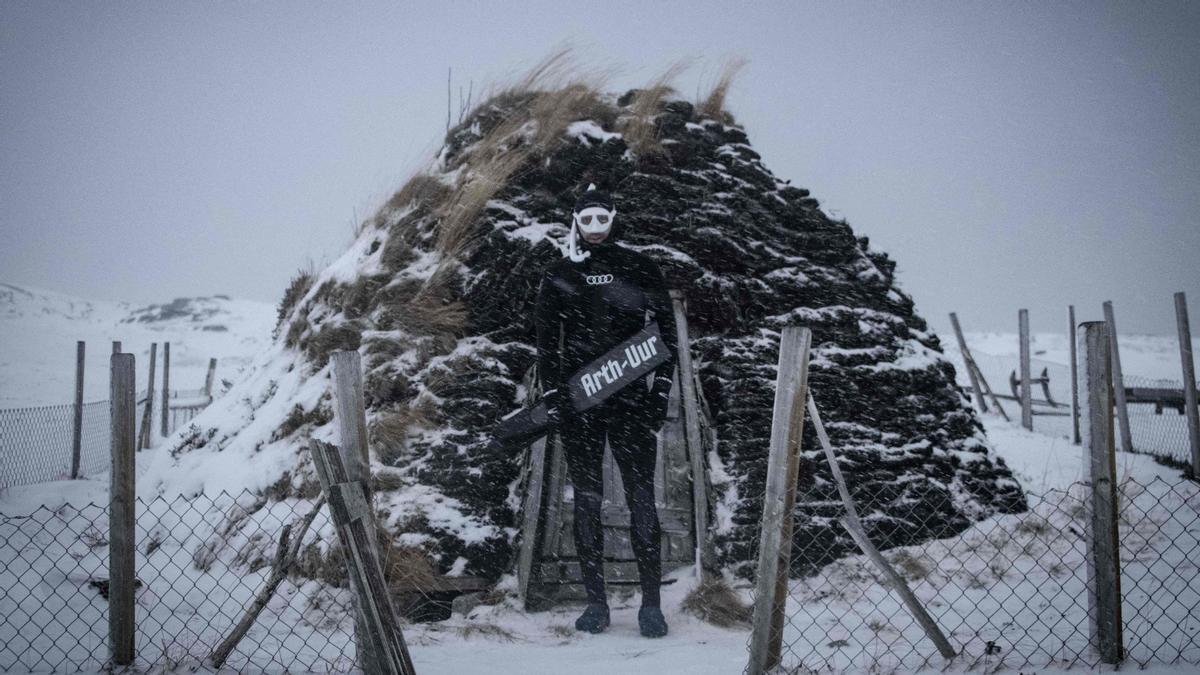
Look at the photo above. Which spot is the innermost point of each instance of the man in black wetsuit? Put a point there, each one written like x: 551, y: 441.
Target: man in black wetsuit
x: 599, y: 294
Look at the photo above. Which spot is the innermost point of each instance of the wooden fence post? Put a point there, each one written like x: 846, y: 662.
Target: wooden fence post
x: 1026, y: 388
x: 1189, y: 380
x: 966, y: 358
x: 691, y: 416
x: 166, y: 392
x: 123, y: 411
x: 1103, y: 559
x: 1118, y: 388
x: 783, y: 464
x: 351, y: 417
x: 1074, y: 376
x: 384, y: 649
x: 208, y: 379
x: 148, y: 413
x: 77, y: 429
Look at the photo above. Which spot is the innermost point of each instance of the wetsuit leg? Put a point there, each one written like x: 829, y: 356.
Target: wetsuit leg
x: 634, y: 447
x: 583, y: 446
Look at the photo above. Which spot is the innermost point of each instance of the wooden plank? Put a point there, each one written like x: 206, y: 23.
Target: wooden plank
x: 1118, y: 385
x: 1103, y: 552
x: 384, y: 649
x: 1026, y: 385
x: 691, y: 415
x: 77, y: 426
x: 557, y: 535
x: 774, y: 555
x: 976, y: 391
x: 148, y: 413
x: 166, y: 391
x: 208, y: 378
x: 859, y: 534
x: 122, y: 504
x: 531, y: 510
x: 1074, y: 376
x: 1189, y: 380
x: 350, y: 415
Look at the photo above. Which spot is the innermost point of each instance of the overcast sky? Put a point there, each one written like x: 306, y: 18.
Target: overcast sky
x: 1006, y: 154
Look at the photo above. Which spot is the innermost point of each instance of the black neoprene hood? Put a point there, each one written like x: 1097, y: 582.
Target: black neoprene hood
x: 594, y: 198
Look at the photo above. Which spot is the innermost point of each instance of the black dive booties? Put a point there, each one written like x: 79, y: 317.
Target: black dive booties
x: 594, y: 619
x: 652, y: 622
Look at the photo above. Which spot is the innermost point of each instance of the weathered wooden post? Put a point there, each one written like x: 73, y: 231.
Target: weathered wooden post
x: 148, y: 413
x: 77, y: 428
x: 1026, y: 389
x: 166, y: 392
x: 351, y: 417
x: 1074, y: 376
x: 123, y: 410
x: 1118, y: 388
x: 1100, y: 478
x: 381, y: 645
x: 783, y: 465
x: 966, y: 357
x: 208, y: 379
x: 1189, y: 380
x: 691, y: 415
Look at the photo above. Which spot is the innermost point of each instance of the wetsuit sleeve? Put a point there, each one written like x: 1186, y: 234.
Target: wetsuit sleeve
x: 547, y: 319
x: 664, y: 314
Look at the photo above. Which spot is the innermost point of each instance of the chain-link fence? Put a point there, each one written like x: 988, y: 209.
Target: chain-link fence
x: 1008, y: 592
x: 35, y: 443
x: 200, y: 562
x: 1157, y: 422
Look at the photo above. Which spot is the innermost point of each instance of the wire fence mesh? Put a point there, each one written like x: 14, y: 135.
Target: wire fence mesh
x: 1157, y: 422
x: 35, y: 443
x: 200, y: 561
x: 1008, y: 592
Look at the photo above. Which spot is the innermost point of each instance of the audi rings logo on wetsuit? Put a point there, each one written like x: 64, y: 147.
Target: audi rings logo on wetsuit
x: 594, y: 279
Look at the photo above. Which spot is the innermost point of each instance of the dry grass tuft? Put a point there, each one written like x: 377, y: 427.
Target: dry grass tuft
x: 715, y: 602
x: 488, y: 630
x: 299, y: 286
x: 713, y: 105
x: 422, y: 191
x: 641, y: 134
x: 389, y: 431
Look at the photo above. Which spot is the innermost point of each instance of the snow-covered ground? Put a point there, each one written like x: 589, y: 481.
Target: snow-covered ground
x: 39, y: 328
x: 503, y: 638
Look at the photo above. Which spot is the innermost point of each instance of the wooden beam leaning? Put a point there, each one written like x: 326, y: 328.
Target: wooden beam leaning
x: 691, y: 414
x: 353, y: 520
x: 859, y: 534
x: 123, y: 411
x: 1118, y: 379
x: 77, y: 427
x: 1103, y: 558
x: 1074, y: 376
x: 1026, y: 388
x: 775, y: 545
x: 976, y: 391
x: 1189, y: 380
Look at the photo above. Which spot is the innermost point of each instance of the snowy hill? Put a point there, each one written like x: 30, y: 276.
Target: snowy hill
x: 39, y: 328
